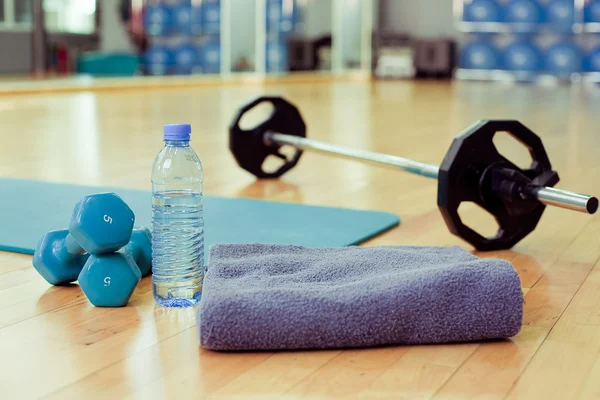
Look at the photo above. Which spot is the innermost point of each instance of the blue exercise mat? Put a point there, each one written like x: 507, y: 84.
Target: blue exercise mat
x: 28, y: 209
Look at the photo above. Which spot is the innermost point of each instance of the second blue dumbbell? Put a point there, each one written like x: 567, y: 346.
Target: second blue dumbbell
x: 101, y: 223
x: 108, y: 280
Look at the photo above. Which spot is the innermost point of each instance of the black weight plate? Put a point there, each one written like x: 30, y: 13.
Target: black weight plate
x: 248, y: 146
x: 460, y: 179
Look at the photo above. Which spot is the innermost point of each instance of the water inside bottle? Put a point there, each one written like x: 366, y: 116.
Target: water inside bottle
x: 177, y: 247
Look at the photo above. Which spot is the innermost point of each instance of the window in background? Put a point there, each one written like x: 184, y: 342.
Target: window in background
x: 15, y: 15
x: 70, y: 16
x: 22, y: 10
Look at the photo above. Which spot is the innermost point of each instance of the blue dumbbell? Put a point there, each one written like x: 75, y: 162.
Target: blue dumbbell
x: 101, y: 223
x: 482, y: 11
x: 560, y: 14
x: 592, y: 61
x: 140, y: 248
x: 109, y: 280
x: 479, y: 55
x: 158, y: 20
x: 522, y: 56
x: 591, y: 11
x: 563, y: 59
x: 523, y: 11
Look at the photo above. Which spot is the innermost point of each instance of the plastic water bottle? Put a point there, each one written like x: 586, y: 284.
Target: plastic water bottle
x: 177, y: 221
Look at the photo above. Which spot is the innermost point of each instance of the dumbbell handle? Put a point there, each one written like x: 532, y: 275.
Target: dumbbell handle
x: 134, y: 252
x: 71, y: 248
x: 547, y: 195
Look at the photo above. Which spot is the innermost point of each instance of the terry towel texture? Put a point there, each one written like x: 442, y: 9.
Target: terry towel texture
x: 275, y: 297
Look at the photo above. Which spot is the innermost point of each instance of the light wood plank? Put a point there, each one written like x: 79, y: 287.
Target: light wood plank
x: 177, y: 357
x: 420, y: 372
x: 494, y: 367
x: 556, y: 372
x: 580, y: 322
x: 348, y: 374
x: 278, y: 373
x: 591, y: 387
x: 546, y: 301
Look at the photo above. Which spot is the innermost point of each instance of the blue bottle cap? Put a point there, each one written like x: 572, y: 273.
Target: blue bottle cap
x: 177, y: 132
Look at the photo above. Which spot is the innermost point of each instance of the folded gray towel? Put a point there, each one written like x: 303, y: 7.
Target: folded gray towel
x: 270, y: 297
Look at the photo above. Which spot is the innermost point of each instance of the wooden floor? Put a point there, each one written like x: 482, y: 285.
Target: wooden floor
x: 55, y: 344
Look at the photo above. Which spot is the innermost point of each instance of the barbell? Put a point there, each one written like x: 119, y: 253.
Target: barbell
x: 472, y: 171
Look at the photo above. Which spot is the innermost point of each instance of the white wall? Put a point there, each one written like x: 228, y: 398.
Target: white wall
x: 422, y: 18
x: 243, y: 27
x: 15, y: 48
x: 114, y: 35
x: 351, y: 31
x: 243, y: 30
x: 317, y: 18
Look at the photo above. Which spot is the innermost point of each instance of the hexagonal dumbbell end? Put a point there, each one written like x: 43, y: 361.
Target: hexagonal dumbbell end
x: 140, y: 248
x: 108, y: 280
x: 102, y: 223
x: 52, y: 260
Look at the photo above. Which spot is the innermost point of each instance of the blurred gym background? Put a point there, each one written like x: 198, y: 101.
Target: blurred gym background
x: 513, y: 40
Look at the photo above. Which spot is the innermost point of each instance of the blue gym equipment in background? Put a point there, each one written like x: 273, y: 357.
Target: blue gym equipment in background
x: 480, y: 54
x: 560, y: 15
x: 158, y: 20
x: 184, y: 59
x: 209, y: 56
x: 281, y: 20
x: 277, y: 59
x: 184, y: 37
x: 158, y: 60
x: 562, y: 59
x: 211, y: 17
x: 162, y: 20
x: 182, y: 16
x: 591, y: 62
x: 524, y: 12
x: 541, y: 37
x: 482, y: 11
x: 591, y: 11
x: 196, y: 20
x: 522, y: 55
